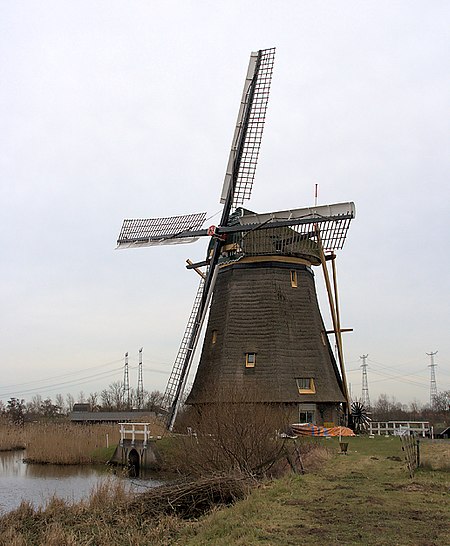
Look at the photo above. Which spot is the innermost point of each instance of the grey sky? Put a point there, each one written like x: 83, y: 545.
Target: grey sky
x: 126, y: 109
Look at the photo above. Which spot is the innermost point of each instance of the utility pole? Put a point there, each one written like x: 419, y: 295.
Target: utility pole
x: 365, y: 385
x: 433, y: 387
x: 140, y: 386
x: 126, y: 383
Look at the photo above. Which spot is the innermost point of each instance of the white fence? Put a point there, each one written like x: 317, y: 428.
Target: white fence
x: 399, y: 428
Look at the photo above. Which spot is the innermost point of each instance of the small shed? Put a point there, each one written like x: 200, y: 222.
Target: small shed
x: 81, y: 407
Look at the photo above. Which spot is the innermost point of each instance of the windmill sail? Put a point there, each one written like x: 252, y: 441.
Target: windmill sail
x: 249, y: 127
x: 177, y: 370
x: 237, y: 185
x: 160, y: 231
x: 334, y: 221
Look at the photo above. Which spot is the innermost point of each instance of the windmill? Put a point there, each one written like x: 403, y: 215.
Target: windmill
x: 253, y: 261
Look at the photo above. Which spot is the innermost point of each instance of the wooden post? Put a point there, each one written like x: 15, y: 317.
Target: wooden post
x: 336, y: 298
x: 334, y: 318
x: 339, y: 330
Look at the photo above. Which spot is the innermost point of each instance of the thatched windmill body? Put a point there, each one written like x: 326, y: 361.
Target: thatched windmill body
x: 265, y: 332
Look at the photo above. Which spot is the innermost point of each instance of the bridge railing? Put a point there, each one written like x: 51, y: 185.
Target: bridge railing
x: 134, y: 431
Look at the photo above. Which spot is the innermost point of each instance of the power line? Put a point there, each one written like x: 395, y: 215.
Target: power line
x: 61, y: 375
x: 71, y: 383
x: 400, y: 367
x: 165, y: 372
x: 400, y: 378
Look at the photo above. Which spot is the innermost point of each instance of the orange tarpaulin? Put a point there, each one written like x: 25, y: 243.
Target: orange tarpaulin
x: 306, y: 429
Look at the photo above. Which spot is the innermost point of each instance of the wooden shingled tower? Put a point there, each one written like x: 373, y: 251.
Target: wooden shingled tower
x: 265, y: 332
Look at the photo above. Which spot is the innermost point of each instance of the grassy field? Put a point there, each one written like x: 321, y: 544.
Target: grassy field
x: 363, y: 498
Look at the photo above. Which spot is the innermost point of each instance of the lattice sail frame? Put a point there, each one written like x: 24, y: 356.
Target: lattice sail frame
x: 159, y: 231
x: 297, y: 240
x: 280, y: 232
x: 251, y: 118
x: 329, y: 222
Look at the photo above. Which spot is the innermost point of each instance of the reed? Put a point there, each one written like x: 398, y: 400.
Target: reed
x: 67, y: 443
x: 64, y: 442
x: 11, y: 437
x: 103, y: 519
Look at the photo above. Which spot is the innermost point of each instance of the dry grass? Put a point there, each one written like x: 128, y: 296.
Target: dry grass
x: 435, y: 454
x: 11, y: 437
x: 66, y: 443
x: 111, y: 516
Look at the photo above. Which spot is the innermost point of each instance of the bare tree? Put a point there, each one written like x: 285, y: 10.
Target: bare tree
x: 34, y: 406
x: 112, y: 398
x: 415, y: 408
x: 442, y: 402
x: 93, y: 401
x: 59, y: 398
x: 388, y: 409
x: 48, y: 409
x: 236, y: 433
x: 153, y: 400
x: 70, y: 401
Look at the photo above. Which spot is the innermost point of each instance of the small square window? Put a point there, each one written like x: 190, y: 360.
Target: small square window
x: 306, y: 385
x: 250, y: 360
x: 307, y: 416
x: 293, y: 279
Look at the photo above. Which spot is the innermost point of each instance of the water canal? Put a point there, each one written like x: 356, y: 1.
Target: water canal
x: 38, y: 483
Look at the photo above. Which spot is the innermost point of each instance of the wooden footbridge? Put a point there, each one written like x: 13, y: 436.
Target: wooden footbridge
x: 136, y: 448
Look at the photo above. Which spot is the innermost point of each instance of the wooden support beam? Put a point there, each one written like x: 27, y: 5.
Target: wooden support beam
x: 339, y: 332
x: 196, y: 269
x: 334, y: 317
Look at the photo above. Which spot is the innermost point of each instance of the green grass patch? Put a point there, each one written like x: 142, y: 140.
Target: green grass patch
x: 103, y: 454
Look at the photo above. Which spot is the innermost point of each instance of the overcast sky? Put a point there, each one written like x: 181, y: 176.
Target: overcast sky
x: 113, y: 109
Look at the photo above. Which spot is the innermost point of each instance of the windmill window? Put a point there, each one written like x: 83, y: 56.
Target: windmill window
x: 293, y: 279
x: 214, y: 337
x: 250, y: 360
x: 306, y: 385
